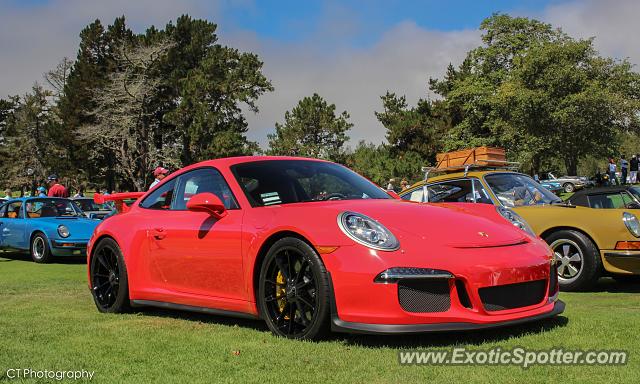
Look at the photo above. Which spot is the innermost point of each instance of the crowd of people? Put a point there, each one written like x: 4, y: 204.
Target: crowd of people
x: 628, y: 171
x: 54, y: 188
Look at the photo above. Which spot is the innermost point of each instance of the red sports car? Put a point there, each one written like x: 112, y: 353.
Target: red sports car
x: 310, y: 246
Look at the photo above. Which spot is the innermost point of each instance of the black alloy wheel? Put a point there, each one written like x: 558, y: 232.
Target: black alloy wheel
x: 109, y: 284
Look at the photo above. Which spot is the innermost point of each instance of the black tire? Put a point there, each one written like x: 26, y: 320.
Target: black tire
x: 566, y: 244
x: 569, y: 187
x: 109, y: 281
x: 39, y: 248
x: 293, y: 291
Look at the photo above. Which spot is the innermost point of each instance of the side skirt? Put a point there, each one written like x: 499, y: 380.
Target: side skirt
x: 189, y: 308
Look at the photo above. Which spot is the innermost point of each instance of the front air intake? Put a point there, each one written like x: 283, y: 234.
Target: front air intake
x: 510, y: 296
x: 424, y: 295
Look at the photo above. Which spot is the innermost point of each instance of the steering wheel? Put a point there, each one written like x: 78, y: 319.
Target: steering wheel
x: 334, y: 196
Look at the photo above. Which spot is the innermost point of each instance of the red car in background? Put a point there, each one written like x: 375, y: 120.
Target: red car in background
x: 310, y: 246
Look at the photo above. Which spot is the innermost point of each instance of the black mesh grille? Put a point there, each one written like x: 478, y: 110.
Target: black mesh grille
x: 424, y: 295
x: 553, y: 279
x: 463, y: 296
x: 512, y: 296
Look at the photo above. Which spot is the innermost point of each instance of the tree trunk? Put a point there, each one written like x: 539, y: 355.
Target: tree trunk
x: 571, y: 162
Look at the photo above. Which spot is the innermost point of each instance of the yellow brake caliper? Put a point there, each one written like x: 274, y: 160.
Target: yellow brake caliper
x: 281, y: 292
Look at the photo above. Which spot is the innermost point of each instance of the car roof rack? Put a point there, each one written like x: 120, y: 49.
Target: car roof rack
x: 477, y: 165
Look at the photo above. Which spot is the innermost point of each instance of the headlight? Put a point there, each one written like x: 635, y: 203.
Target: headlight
x: 63, y: 231
x: 631, y: 222
x: 367, y: 231
x: 515, y: 219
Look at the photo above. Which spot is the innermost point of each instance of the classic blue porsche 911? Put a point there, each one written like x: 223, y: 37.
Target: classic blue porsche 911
x: 45, y: 227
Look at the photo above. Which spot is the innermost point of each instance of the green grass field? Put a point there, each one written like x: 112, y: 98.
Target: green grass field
x: 48, y: 321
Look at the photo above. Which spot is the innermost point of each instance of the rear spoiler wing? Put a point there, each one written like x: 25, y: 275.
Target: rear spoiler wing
x: 118, y: 199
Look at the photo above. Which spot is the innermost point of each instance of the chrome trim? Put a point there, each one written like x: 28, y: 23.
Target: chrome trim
x: 344, y: 230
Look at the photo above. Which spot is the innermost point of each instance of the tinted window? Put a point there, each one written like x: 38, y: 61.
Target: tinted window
x: 295, y: 181
x: 415, y: 195
x: 160, y: 198
x: 200, y: 181
x: 615, y: 200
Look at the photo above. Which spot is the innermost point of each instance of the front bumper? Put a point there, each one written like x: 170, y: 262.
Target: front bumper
x: 361, y: 305
x: 623, y: 262
x: 69, y: 247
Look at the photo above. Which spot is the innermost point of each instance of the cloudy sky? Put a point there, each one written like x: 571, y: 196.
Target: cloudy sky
x: 350, y: 52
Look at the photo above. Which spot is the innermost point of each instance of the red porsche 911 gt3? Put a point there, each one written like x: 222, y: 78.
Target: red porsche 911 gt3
x: 310, y: 246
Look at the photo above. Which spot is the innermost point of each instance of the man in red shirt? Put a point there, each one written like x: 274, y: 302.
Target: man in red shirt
x: 56, y: 189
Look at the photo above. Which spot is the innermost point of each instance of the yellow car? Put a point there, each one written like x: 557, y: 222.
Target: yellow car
x: 587, y: 242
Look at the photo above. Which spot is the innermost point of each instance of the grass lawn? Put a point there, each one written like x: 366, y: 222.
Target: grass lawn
x: 48, y: 321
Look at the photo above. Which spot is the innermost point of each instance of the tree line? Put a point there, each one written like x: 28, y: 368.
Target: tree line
x: 130, y: 102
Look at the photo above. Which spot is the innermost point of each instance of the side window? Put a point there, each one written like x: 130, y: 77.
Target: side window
x: 415, y: 195
x: 3, y: 211
x: 203, y: 180
x: 605, y: 201
x: 627, y: 200
x: 160, y: 198
x: 14, y: 210
x: 455, y: 191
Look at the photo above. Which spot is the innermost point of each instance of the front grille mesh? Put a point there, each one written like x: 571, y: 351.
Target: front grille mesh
x: 512, y: 296
x: 424, y: 295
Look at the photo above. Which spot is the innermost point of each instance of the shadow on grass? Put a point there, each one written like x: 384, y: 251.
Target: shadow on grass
x: 436, y: 339
x: 17, y: 256
x: 445, y: 339
x: 254, y: 324
x: 628, y: 284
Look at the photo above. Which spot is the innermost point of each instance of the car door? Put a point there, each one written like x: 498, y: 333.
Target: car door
x: 14, y: 227
x: 194, y: 252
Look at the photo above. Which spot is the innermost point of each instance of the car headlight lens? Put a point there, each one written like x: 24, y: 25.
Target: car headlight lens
x: 63, y: 231
x: 631, y: 222
x: 367, y: 231
x: 515, y: 219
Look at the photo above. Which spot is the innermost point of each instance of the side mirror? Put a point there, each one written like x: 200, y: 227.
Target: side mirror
x: 393, y: 194
x: 207, y: 202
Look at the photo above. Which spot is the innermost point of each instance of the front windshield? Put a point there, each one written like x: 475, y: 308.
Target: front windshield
x: 90, y: 205
x: 295, y: 181
x: 635, y: 191
x: 51, y: 208
x: 516, y: 190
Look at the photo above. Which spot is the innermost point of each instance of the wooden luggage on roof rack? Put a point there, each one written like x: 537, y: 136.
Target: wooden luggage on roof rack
x: 478, y: 156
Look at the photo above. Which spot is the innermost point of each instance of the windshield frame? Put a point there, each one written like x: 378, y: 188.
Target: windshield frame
x: 383, y: 195
x: 40, y: 199
x: 556, y: 199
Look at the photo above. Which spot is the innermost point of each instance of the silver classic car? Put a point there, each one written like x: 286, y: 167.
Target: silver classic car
x: 569, y: 183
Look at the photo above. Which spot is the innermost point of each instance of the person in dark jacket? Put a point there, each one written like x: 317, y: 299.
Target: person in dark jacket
x: 633, y: 169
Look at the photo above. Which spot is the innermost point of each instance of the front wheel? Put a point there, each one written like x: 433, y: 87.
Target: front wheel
x: 40, y: 251
x: 569, y: 188
x: 109, y: 281
x: 293, y: 292
x: 577, y: 259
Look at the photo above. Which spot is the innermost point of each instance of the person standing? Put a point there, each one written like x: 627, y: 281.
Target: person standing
x: 42, y: 192
x: 612, y: 172
x: 159, y: 173
x: 7, y: 194
x: 624, y: 167
x: 633, y: 169
x: 55, y: 188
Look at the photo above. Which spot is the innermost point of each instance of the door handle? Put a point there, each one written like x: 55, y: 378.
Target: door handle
x: 158, y: 233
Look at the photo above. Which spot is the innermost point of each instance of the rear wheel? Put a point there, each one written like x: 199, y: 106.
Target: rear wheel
x: 577, y: 259
x: 40, y: 251
x: 293, y: 292
x: 109, y: 281
x: 569, y: 188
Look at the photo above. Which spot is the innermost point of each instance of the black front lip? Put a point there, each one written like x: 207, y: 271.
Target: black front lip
x: 338, y: 325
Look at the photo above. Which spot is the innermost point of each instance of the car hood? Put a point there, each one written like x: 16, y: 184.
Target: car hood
x: 453, y: 225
